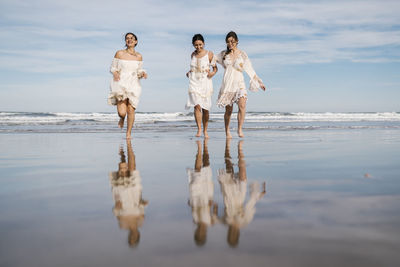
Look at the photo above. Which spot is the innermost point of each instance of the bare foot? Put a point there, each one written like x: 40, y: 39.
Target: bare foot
x: 128, y: 136
x: 240, y: 133
x: 121, y: 123
x: 198, y: 133
x: 205, y: 134
x: 228, y: 135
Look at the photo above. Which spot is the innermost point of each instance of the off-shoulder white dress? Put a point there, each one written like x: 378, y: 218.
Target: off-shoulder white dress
x: 128, y: 87
x: 200, y: 86
x: 233, y: 86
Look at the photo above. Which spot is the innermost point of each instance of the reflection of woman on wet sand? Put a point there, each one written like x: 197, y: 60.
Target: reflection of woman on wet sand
x: 233, y: 187
x: 201, y: 189
x: 127, y: 194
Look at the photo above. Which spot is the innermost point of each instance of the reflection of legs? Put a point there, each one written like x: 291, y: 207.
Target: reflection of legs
x: 228, y: 163
x: 241, y: 162
x: 131, y: 120
x: 198, y: 163
x: 198, y: 117
x: 241, y: 115
x: 227, y: 119
x: 206, y: 157
x: 131, y: 156
x: 206, y: 116
x: 121, y: 108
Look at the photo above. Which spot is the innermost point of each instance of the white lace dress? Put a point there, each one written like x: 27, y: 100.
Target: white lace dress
x: 233, y: 86
x: 200, y: 86
x: 201, y: 189
x: 234, y: 193
x: 128, y: 87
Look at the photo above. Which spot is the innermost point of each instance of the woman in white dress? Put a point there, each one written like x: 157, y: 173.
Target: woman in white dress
x: 125, y: 86
x: 201, y: 190
x: 200, y: 83
x: 127, y: 189
x: 233, y: 187
x: 233, y: 89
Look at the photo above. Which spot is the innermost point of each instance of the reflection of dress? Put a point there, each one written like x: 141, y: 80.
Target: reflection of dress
x: 201, y: 188
x: 128, y: 86
x: 233, y: 86
x: 127, y: 191
x: 234, y: 192
x: 200, y: 86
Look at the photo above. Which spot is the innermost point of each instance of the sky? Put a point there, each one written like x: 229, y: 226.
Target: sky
x: 314, y: 56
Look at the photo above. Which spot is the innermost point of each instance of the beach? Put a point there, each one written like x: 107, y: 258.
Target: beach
x: 74, y: 192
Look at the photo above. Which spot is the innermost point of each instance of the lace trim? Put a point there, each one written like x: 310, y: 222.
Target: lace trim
x: 115, y: 97
x: 228, y: 98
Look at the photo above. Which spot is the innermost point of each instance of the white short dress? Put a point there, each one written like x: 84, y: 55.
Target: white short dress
x: 127, y: 190
x: 200, y: 86
x: 201, y: 189
x: 237, y: 212
x: 128, y: 87
x: 233, y: 86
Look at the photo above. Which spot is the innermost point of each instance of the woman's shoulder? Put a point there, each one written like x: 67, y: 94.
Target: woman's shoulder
x: 139, y: 56
x: 119, y: 54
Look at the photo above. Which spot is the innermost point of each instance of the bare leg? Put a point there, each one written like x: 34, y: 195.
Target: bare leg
x: 206, y: 156
x: 241, y: 162
x: 198, y: 117
x: 241, y: 115
x: 121, y: 108
x: 131, y: 120
x: 227, y: 119
x: 228, y: 162
x: 198, y: 163
x: 131, y: 156
x: 206, y: 116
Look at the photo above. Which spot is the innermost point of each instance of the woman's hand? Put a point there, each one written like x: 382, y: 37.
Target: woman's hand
x: 187, y: 73
x: 116, y: 76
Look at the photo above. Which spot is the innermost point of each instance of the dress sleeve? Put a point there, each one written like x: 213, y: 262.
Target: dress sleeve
x: 114, y: 65
x: 219, y: 58
x: 140, y: 70
x: 255, y: 81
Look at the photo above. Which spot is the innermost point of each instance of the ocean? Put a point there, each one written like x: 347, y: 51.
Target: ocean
x: 75, y: 122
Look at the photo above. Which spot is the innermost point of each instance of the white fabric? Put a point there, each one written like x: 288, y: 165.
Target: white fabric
x: 233, y: 86
x: 128, y: 87
x: 201, y: 189
x: 234, y: 193
x: 128, y: 190
x: 200, y: 86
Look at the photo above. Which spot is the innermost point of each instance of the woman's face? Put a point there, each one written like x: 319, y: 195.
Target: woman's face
x: 198, y: 45
x: 231, y: 43
x: 130, y: 40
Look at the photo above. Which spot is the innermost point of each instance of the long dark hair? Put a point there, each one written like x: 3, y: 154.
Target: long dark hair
x: 197, y: 37
x: 126, y: 35
x: 229, y: 35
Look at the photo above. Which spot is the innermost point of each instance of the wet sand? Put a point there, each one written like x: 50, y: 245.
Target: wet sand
x: 168, y: 199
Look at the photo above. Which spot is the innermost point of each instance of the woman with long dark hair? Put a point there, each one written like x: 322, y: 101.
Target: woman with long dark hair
x: 125, y: 92
x: 233, y: 89
x: 200, y: 83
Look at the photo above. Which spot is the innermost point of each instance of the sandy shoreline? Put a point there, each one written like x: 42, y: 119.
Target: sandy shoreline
x: 331, y: 199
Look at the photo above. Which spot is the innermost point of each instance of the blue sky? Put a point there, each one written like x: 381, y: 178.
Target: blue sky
x: 312, y: 55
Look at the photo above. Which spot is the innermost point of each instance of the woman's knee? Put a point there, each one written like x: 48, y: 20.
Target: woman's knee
x: 242, y: 104
x: 228, y: 110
